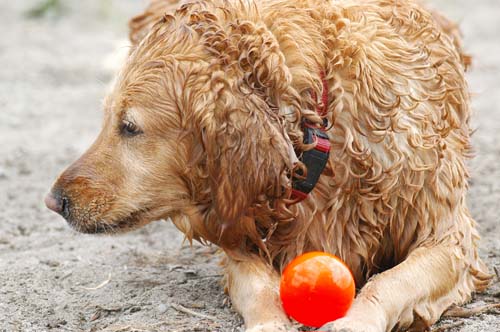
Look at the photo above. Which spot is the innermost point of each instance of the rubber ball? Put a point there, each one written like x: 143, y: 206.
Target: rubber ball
x: 317, y: 288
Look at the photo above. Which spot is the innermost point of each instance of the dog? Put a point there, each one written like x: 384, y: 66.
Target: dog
x: 212, y: 118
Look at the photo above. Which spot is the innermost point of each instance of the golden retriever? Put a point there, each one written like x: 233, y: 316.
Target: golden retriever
x: 205, y: 126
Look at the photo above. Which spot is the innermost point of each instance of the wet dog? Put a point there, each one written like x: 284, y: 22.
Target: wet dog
x: 206, y: 126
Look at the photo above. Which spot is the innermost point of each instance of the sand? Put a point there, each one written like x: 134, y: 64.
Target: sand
x: 54, y: 72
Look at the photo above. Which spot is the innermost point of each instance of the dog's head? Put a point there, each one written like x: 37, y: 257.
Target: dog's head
x: 192, y: 131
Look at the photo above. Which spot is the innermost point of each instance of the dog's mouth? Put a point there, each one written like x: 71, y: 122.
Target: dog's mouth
x: 133, y: 221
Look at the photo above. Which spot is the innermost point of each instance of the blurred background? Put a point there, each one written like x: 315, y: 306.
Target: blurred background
x: 57, y: 58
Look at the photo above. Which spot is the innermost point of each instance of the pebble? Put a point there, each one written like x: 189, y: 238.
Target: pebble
x: 190, y: 273
x: 56, y: 324
x: 134, y: 309
x: 50, y: 263
x: 3, y: 174
x: 162, y: 308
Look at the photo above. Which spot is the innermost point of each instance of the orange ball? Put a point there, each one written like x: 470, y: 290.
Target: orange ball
x: 317, y: 288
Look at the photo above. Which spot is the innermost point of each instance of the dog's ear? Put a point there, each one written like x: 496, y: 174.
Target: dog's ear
x: 247, y: 151
x: 249, y: 156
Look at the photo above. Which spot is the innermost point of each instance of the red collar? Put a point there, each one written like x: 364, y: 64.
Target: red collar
x: 316, y: 159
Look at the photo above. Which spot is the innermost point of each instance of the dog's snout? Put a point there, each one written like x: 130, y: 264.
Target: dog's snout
x: 58, y: 203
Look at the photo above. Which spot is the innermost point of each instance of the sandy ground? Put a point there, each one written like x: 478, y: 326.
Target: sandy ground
x: 53, y: 76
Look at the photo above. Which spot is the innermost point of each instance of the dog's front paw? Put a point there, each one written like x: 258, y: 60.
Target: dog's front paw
x: 271, y: 327
x: 348, y: 325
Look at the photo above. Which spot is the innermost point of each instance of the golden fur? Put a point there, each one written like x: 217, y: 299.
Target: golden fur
x: 219, y: 91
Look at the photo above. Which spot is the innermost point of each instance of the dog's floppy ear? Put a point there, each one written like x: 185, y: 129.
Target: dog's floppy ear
x: 247, y: 150
x: 249, y: 156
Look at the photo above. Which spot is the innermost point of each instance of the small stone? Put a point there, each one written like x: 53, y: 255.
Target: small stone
x: 56, y: 324
x: 190, y: 273
x: 198, y: 305
x: 134, y: 309
x: 162, y: 308
x: 50, y: 263
x: 3, y: 174
x: 22, y: 230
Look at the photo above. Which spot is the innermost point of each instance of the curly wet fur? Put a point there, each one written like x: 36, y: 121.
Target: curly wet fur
x: 399, y: 110
x: 235, y: 80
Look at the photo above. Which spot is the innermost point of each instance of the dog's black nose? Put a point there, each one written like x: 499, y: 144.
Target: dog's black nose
x: 57, y: 203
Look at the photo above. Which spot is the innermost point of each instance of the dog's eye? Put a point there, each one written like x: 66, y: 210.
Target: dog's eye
x: 129, y: 129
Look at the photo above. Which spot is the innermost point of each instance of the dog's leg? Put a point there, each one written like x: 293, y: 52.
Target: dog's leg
x: 415, y: 293
x: 254, y: 290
